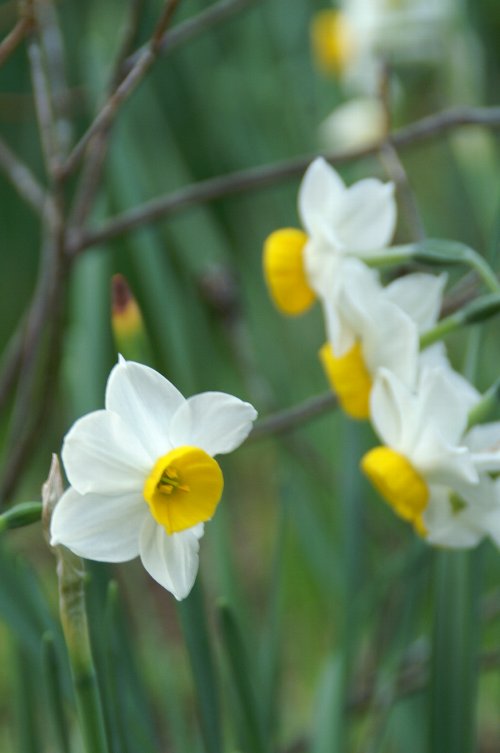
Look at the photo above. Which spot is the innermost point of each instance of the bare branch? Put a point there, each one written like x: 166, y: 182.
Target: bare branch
x: 43, y: 106
x: 215, y: 14
x: 93, y: 165
x: 22, y: 178
x: 129, y: 84
x: 292, y: 418
x: 259, y: 177
x: 14, y: 39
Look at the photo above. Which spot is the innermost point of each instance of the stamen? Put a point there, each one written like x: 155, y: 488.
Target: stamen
x: 183, y: 489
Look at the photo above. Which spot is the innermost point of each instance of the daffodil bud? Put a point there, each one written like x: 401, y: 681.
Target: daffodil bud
x: 127, y: 322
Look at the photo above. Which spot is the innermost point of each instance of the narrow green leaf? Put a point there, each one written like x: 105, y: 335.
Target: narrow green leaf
x: 194, y: 626
x: 252, y: 723
x: 55, y: 699
x: 454, y: 656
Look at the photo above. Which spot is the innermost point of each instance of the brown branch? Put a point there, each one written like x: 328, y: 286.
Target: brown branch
x: 183, y: 32
x: 129, y: 84
x: 260, y: 177
x: 93, y: 166
x: 292, y: 418
x: 53, y: 49
x: 14, y: 38
x: 396, y: 172
x: 43, y: 106
x: 22, y: 179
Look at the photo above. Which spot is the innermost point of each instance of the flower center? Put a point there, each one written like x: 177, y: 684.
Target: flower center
x: 183, y: 489
x: 284, y: 271
x: 349, y: 378
x: 399, y: 483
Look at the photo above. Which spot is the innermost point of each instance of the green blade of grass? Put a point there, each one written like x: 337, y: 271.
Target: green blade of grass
x: 194, y: 625
x: 251, y: 720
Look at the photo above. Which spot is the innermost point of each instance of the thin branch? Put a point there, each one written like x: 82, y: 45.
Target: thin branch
x: 193, y: 27
x: 53, y: 48
x: 396, y: 171
x: 14, y: 38
x: 129, y: 84
x: 259, y: 177
x: 93, y: 166
x: 43, y: 106
x: 292, y: 418
x: 22, y: 179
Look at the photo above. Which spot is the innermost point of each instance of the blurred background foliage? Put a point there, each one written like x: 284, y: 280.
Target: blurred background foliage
x: 319, y: 605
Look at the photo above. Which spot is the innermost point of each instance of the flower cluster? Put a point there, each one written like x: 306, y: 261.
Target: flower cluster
x: 432, y: 468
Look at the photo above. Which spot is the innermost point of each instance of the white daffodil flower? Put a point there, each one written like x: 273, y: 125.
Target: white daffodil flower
x: 338, y: 222
x: 400, y: 32
x: 142, y: 474
x: 370, y: 326
x: 357, y: 123
x: 422, y: 431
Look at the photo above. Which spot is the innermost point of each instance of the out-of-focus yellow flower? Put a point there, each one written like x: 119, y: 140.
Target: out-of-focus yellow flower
x: 332, y: 40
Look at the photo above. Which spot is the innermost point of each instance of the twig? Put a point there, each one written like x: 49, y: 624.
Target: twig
x: 259, y: 177
x: 110, y: 110
x: 396, y: 171
x: 215, y: 14
x: 14, y: 38
x: 93, y: 165
x: 11, y: 365
x: 53, y: 48
x: 43, y: 106
x: 30, y: 419
x: 129, y: 34
x: 22, y: 179
x: 292, y: 418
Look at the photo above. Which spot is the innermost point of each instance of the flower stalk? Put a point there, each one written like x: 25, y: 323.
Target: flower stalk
x: 71, y: 576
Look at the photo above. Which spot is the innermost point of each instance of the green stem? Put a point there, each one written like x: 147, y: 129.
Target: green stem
x: 439, y: 252
x: 479, y: 310
x: 484, y: 407
x: 71, y: 575
x: 454, y: 666
x: 21, y: 515
x: 484, y: 271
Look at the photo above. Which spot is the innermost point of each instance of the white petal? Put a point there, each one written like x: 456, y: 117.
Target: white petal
x: 442, y: 463
x: 98, y: 527
x: 348, y: 305
x: 367, y: 216
x: 320, y: 193
x: 420, y: 295
x: 484, y: 443
x: 443, y: 403
x: 213, y: 421
x: 392, y: 410
x: 101, y: 454
x: 445, y: 527
x: 390, y: 339
x: 171, y: 560
x: 321, y: 261
x: 146, y: 401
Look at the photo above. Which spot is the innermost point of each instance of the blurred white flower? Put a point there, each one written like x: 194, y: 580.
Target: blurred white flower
x: 143, y: 479
x: 370, y: 326
x: 354, y: 124
x: 431, y: 472
x: 338, y: 222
